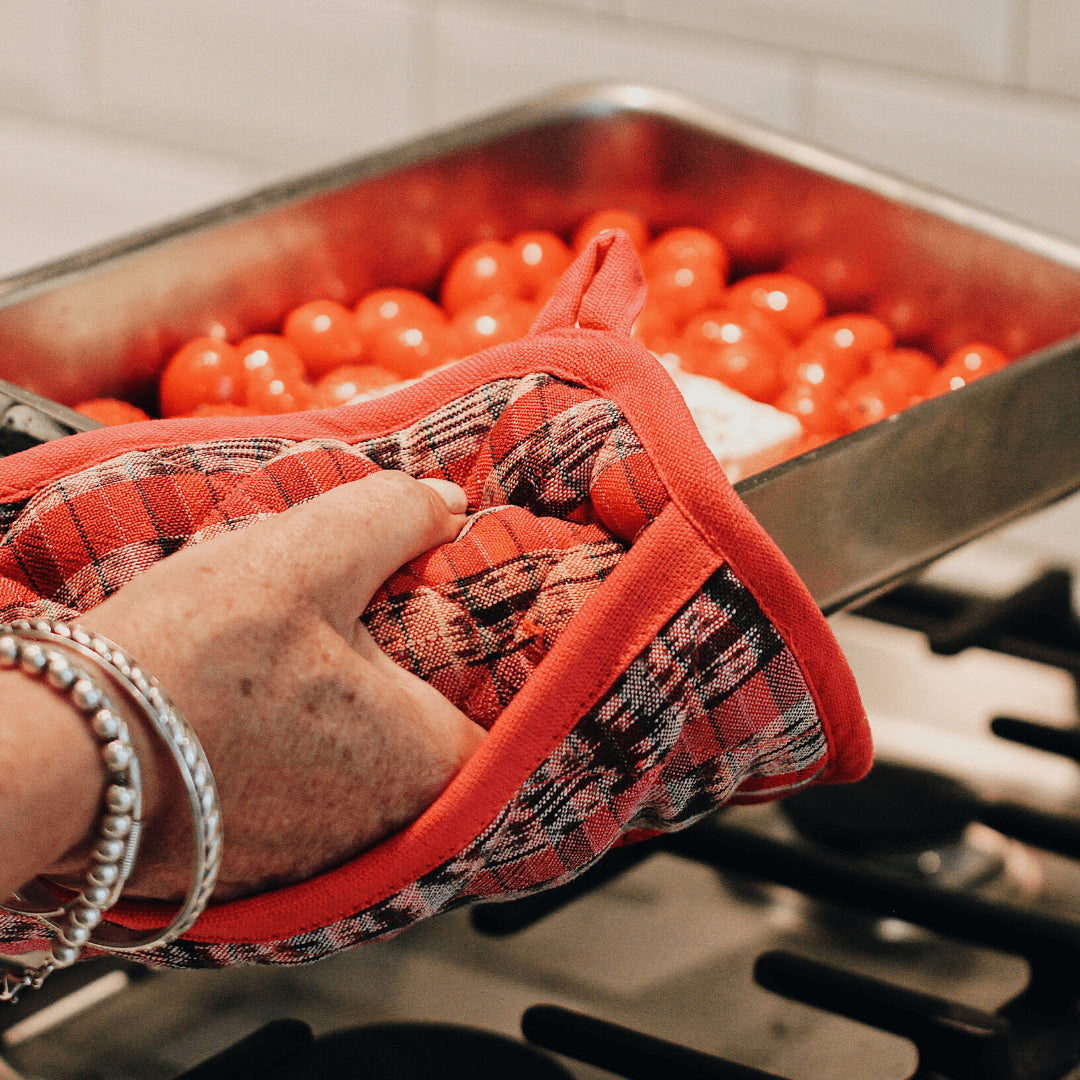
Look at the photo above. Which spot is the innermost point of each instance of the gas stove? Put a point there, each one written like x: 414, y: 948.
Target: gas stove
x: 922, y: 924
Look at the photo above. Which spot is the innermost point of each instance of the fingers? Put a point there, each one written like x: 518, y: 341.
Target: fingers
x: 454, y: 496
x: 339, y: 548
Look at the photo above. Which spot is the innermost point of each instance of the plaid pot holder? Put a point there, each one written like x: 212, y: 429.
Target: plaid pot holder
x: 638, y: 649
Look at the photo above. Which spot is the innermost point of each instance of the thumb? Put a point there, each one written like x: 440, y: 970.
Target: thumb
x: 343, y: 545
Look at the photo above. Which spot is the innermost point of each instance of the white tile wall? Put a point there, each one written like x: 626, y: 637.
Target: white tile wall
x: 488, y: 53
x: 967, y: 38
x: 1054, y: 46
x: 1018, y: 154
x: 63, y: 188
x: 45, y: 62
x: 591, y: 5
x: 296, y: 85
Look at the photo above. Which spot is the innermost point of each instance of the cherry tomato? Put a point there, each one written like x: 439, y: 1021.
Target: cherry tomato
x: 815, y: 409
x: 837, y: 350
x: 845, y: 278
x: 262, y: 357
x: 944, y: 380
x: 793, y: 304
x: 872, y: 398
x: 753, y: 227
x: 269, y: 351
x: 851, y: 334
x: 225, y: 408
x: 111, y: 411
x: 747, y: 366
x: 603, y: 220
x: 409, y: 349
x: 953, y: 328
x: 546, y: 292
x: 912, y: 367
x: 341, y: 385
x: 686, y: 246
x: 907, y: 315
x: 482, y: 270
x: 976, y: 359
x: 491, y: 322
x: 204, y: 371
x: 965, y: 365
x: 385, y: 307
x: 682, y: 290
x: 654, y: 329
x: 540, y: 257
x: 325, y: 335
x: 732, y: 324
x: 828, y: 372
x: 722, y: 326
x: 1016, y: 337
x: 273, y: 391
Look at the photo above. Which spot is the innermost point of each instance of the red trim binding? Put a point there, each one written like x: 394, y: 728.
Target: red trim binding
x: 705, y: 524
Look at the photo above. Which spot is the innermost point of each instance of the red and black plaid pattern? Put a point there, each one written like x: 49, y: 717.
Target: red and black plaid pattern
x: 715, y: 700
x: 560, y: 488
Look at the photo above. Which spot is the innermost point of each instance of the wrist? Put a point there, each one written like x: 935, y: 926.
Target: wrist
x: 53, y: 781
x: 162, y: 787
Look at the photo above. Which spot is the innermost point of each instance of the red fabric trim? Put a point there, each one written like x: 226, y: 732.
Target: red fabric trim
x: 704, y: 525
x: 646, y: 589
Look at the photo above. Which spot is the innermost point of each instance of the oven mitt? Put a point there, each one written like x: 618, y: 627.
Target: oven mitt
x: 638, y: 648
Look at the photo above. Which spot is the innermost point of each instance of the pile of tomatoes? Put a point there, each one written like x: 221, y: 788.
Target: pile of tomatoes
x: 766, y: 335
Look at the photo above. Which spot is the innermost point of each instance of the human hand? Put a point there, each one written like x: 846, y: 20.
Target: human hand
x: 320, y: 744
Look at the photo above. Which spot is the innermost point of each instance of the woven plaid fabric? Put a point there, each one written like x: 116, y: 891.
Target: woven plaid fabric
x: 608, y: 613
x: 474, y: 619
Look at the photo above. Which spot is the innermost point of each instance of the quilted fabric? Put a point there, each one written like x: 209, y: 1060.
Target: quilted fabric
x: 638, y: 650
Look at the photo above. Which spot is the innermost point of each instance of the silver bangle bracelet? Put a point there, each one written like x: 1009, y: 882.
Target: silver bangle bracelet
x: 144, y: 692
x: 113, y: 855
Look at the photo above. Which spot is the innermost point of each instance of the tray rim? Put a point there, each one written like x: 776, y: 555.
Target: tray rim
x: 574, y: 101
x: 584, y: 101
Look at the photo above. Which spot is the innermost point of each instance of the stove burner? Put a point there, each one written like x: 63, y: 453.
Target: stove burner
x: 284, y: 1050
x: 895, y: 810
x: 912, y: 821
x: 625, y: 1052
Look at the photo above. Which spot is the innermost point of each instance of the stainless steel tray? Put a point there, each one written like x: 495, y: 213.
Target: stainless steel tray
x: 853, y: 516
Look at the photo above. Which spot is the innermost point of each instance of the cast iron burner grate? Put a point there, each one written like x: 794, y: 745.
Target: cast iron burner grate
x: 1033, y: 1036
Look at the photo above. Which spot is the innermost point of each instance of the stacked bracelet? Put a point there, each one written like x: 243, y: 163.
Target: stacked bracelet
x: 40, y: 648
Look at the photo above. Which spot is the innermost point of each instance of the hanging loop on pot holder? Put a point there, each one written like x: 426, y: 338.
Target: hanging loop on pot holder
x: 605, y: 293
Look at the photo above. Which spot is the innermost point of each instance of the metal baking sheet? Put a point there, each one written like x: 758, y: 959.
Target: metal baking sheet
x: 853, y: 516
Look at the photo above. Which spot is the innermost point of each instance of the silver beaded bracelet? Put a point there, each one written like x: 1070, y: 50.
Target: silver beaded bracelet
x: 39, y: 648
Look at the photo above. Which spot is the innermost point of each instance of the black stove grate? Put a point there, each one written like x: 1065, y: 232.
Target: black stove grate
x: 1033, y: 1036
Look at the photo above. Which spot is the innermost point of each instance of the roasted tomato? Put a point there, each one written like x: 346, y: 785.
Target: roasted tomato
x: 603, y: 220
x: 111, y: 411
x: 687, y: 246
x: 487, y: 269
x: 541, y: 257
x: 343, y: 384
x: 490, y: 322
x: 793, y: 304
x: 386, y: 307
x: 203, y: 372
x: 325, y: 335
x: 408, y: 350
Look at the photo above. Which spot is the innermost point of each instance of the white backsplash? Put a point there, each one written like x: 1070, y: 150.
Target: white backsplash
x: 115, y: 114
x: 981, y: 97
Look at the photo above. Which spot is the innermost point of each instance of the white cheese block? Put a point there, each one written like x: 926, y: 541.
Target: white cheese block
x: 746, y: 436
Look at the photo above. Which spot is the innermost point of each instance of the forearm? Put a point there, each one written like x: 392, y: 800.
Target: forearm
x: 51, y: 779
